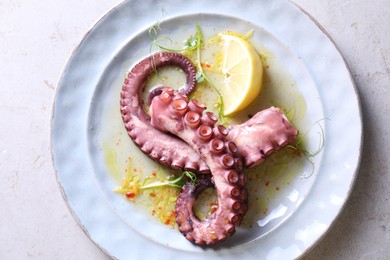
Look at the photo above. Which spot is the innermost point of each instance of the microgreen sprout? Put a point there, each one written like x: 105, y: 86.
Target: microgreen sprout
x: 191, y: 44
x: 173, y: 181
x: 202, y: 76
x: 300, y: 146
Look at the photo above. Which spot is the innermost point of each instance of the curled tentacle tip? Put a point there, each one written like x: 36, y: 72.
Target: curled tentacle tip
x: 153, y: 93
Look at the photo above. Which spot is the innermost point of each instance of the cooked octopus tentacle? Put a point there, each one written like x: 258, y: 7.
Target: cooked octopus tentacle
x: 265, y: 133
x: 206, y: 146
x: 172, y: 113
x: 161, y: 147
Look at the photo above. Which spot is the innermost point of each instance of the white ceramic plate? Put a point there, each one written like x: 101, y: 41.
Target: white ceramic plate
x: 86, y: 116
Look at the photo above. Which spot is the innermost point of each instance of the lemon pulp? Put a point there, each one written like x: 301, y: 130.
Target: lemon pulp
x: 242, y: 71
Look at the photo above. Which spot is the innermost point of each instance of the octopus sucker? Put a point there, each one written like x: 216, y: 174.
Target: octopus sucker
x: 196, y: 106
x: 209, y: 119
x: 217, y: 146
x: 192, y: 119
x: 231, y: 198
x: 232, y: 176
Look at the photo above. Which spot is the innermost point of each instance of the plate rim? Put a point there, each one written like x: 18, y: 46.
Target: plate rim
x: 361, y: 140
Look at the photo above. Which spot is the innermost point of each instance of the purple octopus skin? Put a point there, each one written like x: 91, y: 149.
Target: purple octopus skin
x: 267, y: 131
x: 159, y: 146
x: 172, y: 113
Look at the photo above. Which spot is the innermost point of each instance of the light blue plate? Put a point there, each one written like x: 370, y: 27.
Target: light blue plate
x: 89, y: 89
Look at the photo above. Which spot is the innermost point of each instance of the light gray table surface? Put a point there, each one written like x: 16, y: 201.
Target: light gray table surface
x: 36, y: 39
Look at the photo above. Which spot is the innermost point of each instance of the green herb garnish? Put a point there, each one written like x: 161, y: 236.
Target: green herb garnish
x: 191, y: 44
x: 174, y: 181
x: 202, y: 75
x: 299, y: 145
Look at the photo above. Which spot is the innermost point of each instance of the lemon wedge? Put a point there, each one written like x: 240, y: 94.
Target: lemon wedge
x: 242, y: 71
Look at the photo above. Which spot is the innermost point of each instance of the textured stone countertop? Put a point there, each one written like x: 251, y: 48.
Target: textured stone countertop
x: 36, y: 38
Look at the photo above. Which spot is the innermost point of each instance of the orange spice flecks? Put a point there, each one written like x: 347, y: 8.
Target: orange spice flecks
x: 213, y: 207
x: 170, y: 217
x: 205, y: 65
x: 130, y: 195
